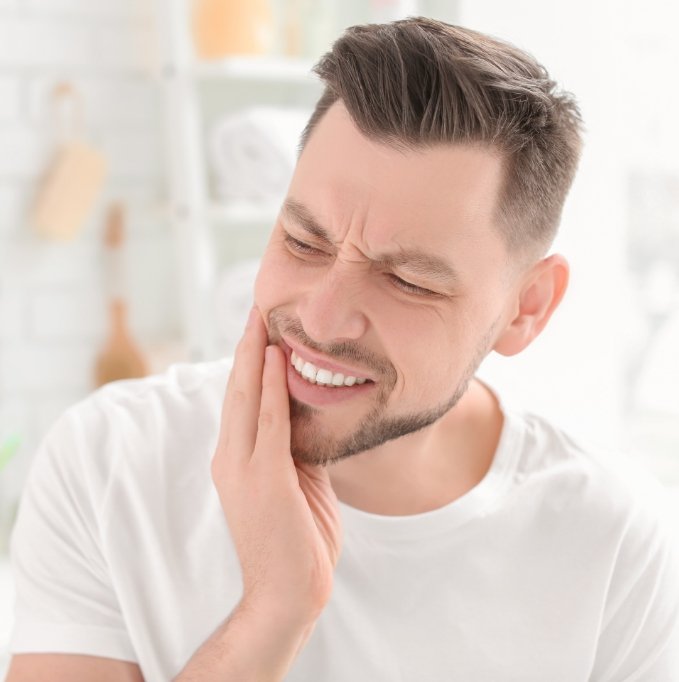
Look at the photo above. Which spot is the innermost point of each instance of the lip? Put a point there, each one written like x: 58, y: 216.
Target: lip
x: 316, y: 395
x: 323, y: 363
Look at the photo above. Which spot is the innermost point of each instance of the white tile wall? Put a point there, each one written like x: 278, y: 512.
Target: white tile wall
x: 31, y: 42
x: 9, y: 98
x: 52, y: 306
x: 6, y: 597
x: 100, y: 9
x: 14, y: 199
x: 24, y: 151
x: 102, y: 98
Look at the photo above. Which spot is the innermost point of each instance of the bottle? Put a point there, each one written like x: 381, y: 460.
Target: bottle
x: 223, y: 28
x: 120, y: 357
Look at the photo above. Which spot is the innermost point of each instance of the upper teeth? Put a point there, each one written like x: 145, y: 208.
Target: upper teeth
x: 322, y: 376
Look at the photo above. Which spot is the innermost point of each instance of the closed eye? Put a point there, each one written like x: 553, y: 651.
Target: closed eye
x: 411, y: 288
x: 301, y: 247
x: 407, y: 287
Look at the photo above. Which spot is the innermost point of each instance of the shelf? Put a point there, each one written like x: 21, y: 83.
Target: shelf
x: 265, y: 68
x: 207, y: 230
x: 243, y: 212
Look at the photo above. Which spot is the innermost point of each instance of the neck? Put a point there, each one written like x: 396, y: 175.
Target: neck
x: 427, y: 469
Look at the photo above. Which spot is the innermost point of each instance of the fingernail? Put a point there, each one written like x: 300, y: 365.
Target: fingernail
x: 252, y: 316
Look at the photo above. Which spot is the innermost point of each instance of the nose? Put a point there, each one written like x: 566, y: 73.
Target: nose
x: 331, y: 311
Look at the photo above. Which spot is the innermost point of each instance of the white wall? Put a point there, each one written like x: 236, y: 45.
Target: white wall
x: 576, y: 372
x: 52, y: 307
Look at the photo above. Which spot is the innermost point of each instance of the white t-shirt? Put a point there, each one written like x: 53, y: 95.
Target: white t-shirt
x: 554, y: 568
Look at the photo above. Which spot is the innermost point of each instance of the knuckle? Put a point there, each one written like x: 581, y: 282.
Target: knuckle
x: 266, y: 419
x: 239, y: 396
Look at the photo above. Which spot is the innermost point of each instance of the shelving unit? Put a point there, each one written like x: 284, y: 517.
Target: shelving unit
x: 189, y: 85
x: 256, y: 69
x: 196, y: 218
x: 233, y: 213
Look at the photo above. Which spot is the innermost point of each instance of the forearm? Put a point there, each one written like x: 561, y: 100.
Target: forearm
x: 250, y: 646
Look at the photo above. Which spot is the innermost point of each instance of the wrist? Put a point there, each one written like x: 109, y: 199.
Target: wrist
x: 278, y: 614
x: 251, y: 645
x: 276, y: 638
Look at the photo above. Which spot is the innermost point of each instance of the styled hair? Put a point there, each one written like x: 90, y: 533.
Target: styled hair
x: 418, y: 82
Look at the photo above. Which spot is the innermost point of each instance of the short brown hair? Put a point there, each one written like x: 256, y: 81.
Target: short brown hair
x: 419, y: 82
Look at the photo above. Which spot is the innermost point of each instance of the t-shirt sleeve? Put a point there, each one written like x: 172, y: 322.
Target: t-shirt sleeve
x: 64, y: 598
x: 639, y: 636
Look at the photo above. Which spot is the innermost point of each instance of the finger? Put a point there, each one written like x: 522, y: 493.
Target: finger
x: 273, y: 433
x: 240, y: 411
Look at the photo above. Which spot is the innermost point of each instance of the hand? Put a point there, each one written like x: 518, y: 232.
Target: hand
x: 283, y: 515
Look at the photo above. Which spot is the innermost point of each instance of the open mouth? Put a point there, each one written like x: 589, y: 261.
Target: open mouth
x: 321, y: 376
x: 321, y: 384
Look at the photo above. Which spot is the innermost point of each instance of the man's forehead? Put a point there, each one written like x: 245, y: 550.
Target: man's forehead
x: 444, y: 182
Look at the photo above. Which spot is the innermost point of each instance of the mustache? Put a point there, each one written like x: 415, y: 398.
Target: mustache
x: 280, y: 323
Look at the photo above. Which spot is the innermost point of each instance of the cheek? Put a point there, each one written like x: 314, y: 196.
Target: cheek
x: 422, y: 345
x: 273, y: 285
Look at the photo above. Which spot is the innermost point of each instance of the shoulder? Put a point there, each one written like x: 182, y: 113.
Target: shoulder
x: 598, y: 485
x: 179, y: 382
x: 185, y: 391
x: 616, y: 519
x: 137, y: 420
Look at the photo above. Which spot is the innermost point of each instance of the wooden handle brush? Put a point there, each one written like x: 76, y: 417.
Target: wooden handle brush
x: 120, y: 358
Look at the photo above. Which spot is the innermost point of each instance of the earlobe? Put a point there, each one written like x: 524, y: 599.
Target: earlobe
x: 542, y: 291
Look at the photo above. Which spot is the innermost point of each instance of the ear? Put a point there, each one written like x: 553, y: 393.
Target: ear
x: 541, y: 292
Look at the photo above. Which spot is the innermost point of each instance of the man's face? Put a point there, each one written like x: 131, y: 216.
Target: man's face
x: 382, y: 265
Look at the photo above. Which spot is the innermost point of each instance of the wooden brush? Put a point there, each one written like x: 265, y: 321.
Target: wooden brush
x: 120, y: 358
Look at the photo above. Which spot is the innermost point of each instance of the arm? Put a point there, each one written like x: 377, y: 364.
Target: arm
x: 250, y: 646
x: 245, y: 647
x: 67, y: 621
x: 71, y: 668
x: 284, y: 520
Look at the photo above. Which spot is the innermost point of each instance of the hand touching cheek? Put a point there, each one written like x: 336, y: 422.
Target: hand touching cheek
x: 283, y: 516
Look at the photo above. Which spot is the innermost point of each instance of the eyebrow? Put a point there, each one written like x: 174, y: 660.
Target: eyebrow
x: 415, y: 260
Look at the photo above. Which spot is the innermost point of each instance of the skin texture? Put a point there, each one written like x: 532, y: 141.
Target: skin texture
x: 423, y: 349
x: 71, y: 668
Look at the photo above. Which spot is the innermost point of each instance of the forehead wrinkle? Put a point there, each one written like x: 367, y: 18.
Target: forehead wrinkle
x: 300, y: 214
x: 416, y: 261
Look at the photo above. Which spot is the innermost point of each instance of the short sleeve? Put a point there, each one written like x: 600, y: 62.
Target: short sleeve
x: 64, y: 598
x: 639, y: 637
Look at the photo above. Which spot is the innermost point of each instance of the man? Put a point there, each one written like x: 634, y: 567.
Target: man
x: 358, y: 506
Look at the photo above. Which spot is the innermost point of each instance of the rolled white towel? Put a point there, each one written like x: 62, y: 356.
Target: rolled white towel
x: 233, y: 300
x: 254, y: 152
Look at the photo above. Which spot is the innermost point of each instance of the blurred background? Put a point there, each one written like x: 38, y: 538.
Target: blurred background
x: 145, y: 148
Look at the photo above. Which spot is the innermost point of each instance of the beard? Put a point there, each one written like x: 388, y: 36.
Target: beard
x: 311, y: 444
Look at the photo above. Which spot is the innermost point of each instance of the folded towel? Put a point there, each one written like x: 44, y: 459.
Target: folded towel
x: 254, y: 152
x: 233, y: 300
